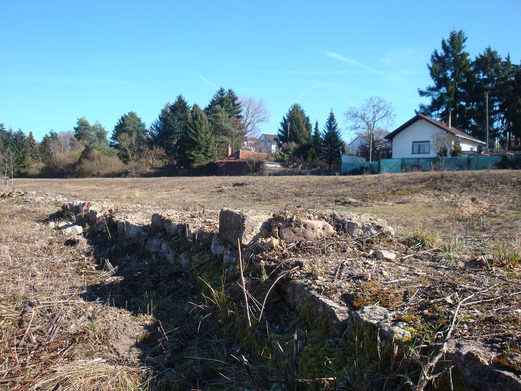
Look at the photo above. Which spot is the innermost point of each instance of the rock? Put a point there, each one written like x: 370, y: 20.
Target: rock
x: 271, y: 243
x: 170, y: 227
x: 168, y: 252
x: 94, y: 213
x: 153, y: 244
x: 185, y: 260
x: 217, y: 247
x: 157, y: 221
x: 296, y: 229
x: 230, y: 257
x: 129, y: 230
x: 235, y: 225
x: 72, y: 230
x: 356, y: 224
x: 385, y: 254
x: 204, y: 238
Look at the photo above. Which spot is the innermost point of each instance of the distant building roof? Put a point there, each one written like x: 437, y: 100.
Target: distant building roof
x: 270, y: 137
x: 244, y: 155
x: 441, y: 125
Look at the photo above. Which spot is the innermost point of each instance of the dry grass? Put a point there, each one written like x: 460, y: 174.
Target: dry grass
x: 50, y: 337
x: 432, y: 201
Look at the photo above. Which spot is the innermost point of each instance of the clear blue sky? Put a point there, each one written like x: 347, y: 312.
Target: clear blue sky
x: 62, y: 60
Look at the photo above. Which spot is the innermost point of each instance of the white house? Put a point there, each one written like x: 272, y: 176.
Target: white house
x: 422, y: 136
x: 267, y: 143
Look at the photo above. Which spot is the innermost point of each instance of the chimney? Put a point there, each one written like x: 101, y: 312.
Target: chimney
x: 228, y: 151
x: 450, y: 118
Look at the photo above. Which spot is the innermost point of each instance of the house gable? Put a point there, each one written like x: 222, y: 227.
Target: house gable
x: 415, y: 138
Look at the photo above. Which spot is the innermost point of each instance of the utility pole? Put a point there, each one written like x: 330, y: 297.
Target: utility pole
x: 486, y: 120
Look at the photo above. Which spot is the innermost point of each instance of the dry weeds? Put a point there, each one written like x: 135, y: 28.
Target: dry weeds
x: 51, y: 338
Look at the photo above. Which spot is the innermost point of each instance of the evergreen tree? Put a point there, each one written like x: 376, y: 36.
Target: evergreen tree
x: 129, y: 136
x: 295, y: 127
x: 223, y: 131
x: 510, y: 106
x: 295, y: 133
x: 47, y: 148
x: 87, y: 134
x: 32, y: 145
x: 170, y: 126
x: 317, y: 141
x: 228, y: 100
x: 489, y: 78
x: 197, y: 145
x: 331, y: 142
x: 451, y: 73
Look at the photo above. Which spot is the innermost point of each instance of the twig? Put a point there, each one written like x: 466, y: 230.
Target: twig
x: 271, y: 287
x: 243, y: 284
x: 28, y: 327
x: 427, y: 369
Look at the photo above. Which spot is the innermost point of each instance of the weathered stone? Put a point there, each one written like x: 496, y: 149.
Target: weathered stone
x: 93, y: 215
x: 168, y: 252
x: 217, y: 248
x: 185, y: 260
x: 153, y: 244
x: 356, y: 224
x: 230, y: 257
x: 203, y: 237
x: 128, y: 230
x: 157, y: 221
x: 296, y: 229
x: 170, y: 227
x: 271, y: 243
x: 235, y: 225
x: 385, y: 254
x: 72, y: 230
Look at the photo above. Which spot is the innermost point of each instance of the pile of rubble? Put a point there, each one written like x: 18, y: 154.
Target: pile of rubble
x: 348, y: 267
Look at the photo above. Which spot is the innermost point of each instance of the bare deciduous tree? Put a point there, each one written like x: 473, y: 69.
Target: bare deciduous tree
x: 8, y: 161
x: 373, y: 117
x: 254, y: 113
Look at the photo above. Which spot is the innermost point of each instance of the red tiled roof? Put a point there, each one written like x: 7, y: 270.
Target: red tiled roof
x: 244, y: 155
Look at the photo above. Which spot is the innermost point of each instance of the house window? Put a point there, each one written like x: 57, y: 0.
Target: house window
x: 421, y: 147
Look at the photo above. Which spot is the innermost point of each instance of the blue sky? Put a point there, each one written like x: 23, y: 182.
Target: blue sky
x: 62, y: 60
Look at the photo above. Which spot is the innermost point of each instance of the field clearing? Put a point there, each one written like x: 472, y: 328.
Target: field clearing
x: 486, y: 204
x: 97, y: 312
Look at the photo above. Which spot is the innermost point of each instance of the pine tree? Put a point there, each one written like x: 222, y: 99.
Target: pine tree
x: 129, y: 136
x: 489, y: 78
x: 331, y: 142
x: 295, y: 127
x: 170, y: 126
x: 87, y: 134
x: 451, y: 73
x: 317, y: 141
x: 228, y: 100
x: 197, y: 145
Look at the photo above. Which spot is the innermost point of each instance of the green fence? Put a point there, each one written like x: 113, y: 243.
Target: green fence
x: 434, y: 164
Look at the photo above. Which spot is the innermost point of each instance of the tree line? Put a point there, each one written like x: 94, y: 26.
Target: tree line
x: 182, y: 137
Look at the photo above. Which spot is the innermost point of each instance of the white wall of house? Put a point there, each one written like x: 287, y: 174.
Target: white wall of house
x: 265, y: 145
x: 418, y: 132
x: 355, y: 144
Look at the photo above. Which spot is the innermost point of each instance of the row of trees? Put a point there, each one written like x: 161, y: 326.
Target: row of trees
x: 464, y: 87
x: 182, y: 136
x: 299, y: 143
